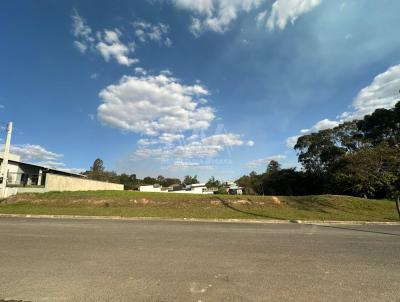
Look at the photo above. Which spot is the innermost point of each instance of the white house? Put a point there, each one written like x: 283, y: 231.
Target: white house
x: 150, y: 188
x: 232, y: 188
x: 22, y: 177
x: 188, y: 189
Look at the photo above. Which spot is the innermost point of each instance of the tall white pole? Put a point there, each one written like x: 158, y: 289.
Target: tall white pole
x: 4, y: 165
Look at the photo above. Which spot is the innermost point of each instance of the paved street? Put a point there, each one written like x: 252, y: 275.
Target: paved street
x: 104, y: 260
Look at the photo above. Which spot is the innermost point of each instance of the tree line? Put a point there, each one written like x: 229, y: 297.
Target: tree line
x: 130, y: 181
x: 358, y: 158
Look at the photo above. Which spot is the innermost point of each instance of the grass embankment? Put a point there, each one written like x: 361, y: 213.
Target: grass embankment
x: 138, y: 204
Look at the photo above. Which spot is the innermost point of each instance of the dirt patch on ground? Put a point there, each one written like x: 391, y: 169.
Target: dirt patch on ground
x: 241, y: 201
x: 142, y: 201
x: 276, y: 200
x: 11, y: 200
x: 96, y: 202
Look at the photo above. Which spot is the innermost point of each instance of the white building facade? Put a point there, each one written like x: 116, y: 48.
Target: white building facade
x: 199, y: 188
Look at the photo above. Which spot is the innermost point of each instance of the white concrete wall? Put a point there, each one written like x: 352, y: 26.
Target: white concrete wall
x: 10, y: 192
x: 190, y: 192
x: 13, y: 177
x: 150, y: 188
x: 56, y: 182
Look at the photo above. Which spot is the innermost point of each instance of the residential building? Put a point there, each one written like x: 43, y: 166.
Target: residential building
x: 24, y: 177
x: 199, y: 188
x: 232, y: 188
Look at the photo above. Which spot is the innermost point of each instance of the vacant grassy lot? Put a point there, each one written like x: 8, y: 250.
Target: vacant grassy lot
x: 138, y: 204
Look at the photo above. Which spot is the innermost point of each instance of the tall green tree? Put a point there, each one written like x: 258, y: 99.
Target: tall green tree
x: 213, y: 183
x: 371, y: 172
x: 318, y: 151
x: 190, y: 180
x: 98, y: 166
x: 273, y: 167
x: 97, y: 170
x: 383, y: 125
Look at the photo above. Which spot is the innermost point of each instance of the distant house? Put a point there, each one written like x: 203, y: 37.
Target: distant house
x: 24, y: 177
x: 232, y: 188
x: 150, y: 188
x: 178, y: 188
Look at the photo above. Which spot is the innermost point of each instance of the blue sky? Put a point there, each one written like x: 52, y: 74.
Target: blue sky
x: 176, y: 87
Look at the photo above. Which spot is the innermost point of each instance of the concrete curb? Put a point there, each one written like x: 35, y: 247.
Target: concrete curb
x: 257, y: 221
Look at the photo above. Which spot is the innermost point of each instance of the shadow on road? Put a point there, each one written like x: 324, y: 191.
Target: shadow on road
x: 357, y: 230
x: 226, y: 204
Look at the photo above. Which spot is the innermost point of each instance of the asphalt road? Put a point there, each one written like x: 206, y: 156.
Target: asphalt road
x: 103, y: 260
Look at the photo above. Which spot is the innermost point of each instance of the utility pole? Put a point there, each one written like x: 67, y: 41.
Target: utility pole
x: 4, y: 165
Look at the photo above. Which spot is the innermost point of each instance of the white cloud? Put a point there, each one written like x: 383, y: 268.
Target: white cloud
x: 51, y: 164
x: 285, y: 11
x: 109, y: 45
x: 292, y: 140
x: 154, y: 104
x: 321, y: 125
x: 168, y: 42
x: 262, y: 17
x: 197, y: 149
x: 94, y: 76
x: 158, y: 153
x: 146, y: 32
x: 38, y: 155
x: 383, y: 92
x: 209, y: 146
x: 168, y: 138
x: 74, y: 170
x: 82, y: 32
x: 166, y: 72
x: 140, y: 71
x: 196, y: 27
x: 265, y: 161
x: 165, y: 138
x: 184, y: 165
x: 215, y: 15
x: 228, y: 139
x: 198, y: 6
x: 34, y: 153
x: 80, y: 46
x: 147, y: 142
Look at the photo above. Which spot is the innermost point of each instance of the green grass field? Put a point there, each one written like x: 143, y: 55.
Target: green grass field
x: 167, y: 205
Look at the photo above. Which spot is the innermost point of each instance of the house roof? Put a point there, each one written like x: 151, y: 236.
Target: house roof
x: 47, y: 169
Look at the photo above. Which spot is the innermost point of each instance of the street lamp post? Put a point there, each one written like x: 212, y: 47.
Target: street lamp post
x: 4, y: 165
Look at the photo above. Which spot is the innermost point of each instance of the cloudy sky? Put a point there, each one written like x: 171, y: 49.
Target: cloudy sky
x: 176, y: 87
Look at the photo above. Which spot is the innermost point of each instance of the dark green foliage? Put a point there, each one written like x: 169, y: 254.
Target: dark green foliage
x: 273, y: 166
x: 382, y: 126
x: 189, y: 180
x: 213, y: 183
x: 359, y: 158
x: 318, y: 151
x: 98, y: 166
x: 371, y: 172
